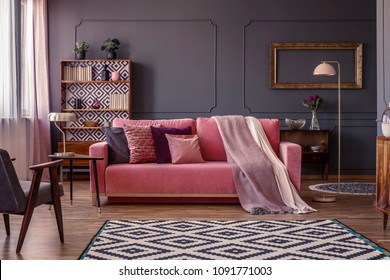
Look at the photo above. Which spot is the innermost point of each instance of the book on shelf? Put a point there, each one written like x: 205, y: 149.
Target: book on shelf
x: 119, y: 101
x: 77, y: 73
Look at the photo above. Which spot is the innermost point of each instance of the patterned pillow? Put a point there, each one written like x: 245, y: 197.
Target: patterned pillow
x: 184, y: 148
x: 141, y: 143
x: 161, y: 142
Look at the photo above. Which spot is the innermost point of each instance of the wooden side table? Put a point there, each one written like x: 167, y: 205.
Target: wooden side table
x: 95, y: 174
x: 307, y: 138
x: 383, y: 177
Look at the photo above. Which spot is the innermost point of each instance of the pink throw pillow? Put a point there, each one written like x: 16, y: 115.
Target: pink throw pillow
x: 184, y: 148
x: 141, y: 143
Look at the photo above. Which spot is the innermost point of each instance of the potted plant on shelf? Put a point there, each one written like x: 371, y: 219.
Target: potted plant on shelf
x: 110, y: 46
x: 80, y: 49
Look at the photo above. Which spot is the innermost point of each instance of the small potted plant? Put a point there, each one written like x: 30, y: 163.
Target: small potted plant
x: 80, y: 49
x: 110, y: 46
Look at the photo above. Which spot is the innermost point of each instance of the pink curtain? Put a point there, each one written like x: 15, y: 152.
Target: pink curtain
x: 41, y: 139
x: 25, y: 131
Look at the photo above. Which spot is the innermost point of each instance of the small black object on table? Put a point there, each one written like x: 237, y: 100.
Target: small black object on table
x: 71, y: 158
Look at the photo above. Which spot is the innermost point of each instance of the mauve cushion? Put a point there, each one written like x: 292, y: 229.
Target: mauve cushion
x: 184, y: 148
x: 161, y: 143
x: 118, y: 150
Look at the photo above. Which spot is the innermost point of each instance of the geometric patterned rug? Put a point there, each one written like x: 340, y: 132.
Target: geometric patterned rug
x: 346, y: 188
x: 230, y: 240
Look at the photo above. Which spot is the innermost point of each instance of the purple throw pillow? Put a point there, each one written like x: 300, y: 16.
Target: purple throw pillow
x: 118, y: 149
x: 161, y: 143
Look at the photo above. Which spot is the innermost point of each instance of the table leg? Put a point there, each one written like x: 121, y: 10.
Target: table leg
x: 326, y: 171
x: 385, y: 217
x: 95, y: 175
x: 61, y: 173
x: 71, y: 180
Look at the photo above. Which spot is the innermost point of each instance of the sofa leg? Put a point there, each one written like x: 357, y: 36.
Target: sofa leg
x: 94, y: 200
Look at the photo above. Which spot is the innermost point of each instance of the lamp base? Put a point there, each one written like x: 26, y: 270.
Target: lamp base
x: 67, y: 154
x: 324, y: 198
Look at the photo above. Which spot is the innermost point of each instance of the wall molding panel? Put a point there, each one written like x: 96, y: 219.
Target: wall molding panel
x: 200, y: 58
x: 193, y: 25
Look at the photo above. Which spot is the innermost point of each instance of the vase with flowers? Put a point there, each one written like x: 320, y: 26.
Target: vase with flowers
x: 313, y: 103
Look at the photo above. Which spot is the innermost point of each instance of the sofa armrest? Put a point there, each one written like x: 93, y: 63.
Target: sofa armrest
x: 99, y: 149
x: 291, y: 155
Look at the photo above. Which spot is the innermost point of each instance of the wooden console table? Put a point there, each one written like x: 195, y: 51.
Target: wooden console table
x: 307, y: 138
x: 383, y: 177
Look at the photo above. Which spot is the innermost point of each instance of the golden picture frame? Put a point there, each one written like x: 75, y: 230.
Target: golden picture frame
x: 356, y: 66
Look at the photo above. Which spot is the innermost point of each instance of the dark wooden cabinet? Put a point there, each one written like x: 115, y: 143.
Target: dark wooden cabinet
x: 307, y: 139
x: 383, y: 177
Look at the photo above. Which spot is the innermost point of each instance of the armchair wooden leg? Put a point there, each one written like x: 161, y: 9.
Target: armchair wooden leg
x: 6, y: 223
x: 23, y: 230
x: 57, y: 202
x: 29, y: 208
x: 58, y: 212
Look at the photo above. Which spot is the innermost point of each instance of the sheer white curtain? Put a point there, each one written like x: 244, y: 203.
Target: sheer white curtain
x: 24, y: 94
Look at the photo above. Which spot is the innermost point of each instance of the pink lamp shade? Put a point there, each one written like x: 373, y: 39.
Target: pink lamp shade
x: 324, y: 69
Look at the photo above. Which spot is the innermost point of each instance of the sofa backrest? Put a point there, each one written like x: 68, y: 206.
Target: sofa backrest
x: 210, y: 140
x: 177, y: 123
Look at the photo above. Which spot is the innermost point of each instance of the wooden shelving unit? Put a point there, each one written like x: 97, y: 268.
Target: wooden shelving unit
x: 82, y: 79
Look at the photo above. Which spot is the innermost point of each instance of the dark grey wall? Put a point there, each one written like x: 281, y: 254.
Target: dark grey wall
x: 211, y: 57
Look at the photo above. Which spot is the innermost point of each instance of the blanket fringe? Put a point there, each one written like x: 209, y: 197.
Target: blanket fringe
x: 261, y: 211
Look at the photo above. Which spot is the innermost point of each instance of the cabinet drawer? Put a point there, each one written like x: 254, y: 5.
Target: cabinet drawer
x: 312, y: 157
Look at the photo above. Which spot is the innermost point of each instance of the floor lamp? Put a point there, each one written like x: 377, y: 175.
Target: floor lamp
x: 326, y: 69
x: 62, y: 117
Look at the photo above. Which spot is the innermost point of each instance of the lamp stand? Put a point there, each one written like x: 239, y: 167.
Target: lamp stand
x: 332, y: 198
x: 63, y: 154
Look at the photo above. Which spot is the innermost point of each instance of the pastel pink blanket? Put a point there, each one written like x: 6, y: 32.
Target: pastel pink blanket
x: 262, y: 182
x: 253, y: 174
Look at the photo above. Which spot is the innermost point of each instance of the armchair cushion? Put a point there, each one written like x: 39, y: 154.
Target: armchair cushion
x: 44, y: 193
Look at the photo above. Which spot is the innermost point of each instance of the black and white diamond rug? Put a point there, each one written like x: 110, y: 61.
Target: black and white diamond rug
x: 353, y: 188
x: 230, y: 240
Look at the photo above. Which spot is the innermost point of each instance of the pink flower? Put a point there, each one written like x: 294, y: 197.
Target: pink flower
x: 312, y: 103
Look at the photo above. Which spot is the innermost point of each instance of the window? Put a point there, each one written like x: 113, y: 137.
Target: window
x: 17, y: 56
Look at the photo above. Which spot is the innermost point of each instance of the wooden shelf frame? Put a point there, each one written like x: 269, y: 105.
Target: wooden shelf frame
x: 91, y: 110
x: 94, y: 82
x: 86, y: 84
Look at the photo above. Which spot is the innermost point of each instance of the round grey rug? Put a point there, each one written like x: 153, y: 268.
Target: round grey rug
x: 346, y: 188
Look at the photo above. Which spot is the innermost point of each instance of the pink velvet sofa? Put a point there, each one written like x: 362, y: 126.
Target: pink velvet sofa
x: 211, y: 181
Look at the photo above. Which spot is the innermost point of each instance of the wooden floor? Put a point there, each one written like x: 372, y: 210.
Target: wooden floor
x: 81, y: 220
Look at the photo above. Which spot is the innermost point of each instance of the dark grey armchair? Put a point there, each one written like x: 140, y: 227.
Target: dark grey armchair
x: 21, y: 197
